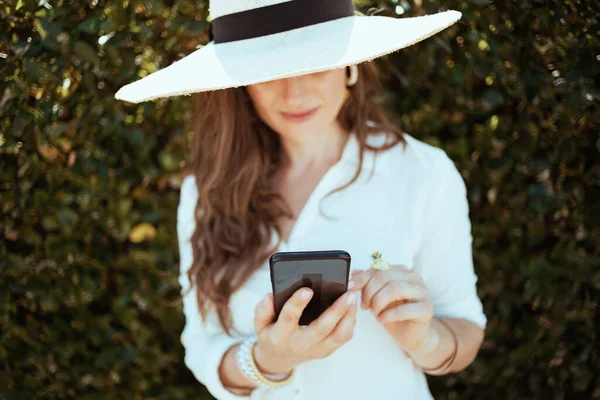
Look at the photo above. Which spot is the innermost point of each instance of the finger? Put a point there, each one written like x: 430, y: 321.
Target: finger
x: 406, y: 274
x: 290, y: 314
x: 418, y: 312
x: 264, y: 313
x: 351, y: 284
x: 400, y: 267
x: 378, y: 280
x: 361, y: 279
x: 396, y: 290
x: 322, y: 327
x: 342, y: 333
x: 381, y: 278
x: 396, y: 267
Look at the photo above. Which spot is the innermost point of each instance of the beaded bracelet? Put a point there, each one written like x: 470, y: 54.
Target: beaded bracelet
x: 247, y: 364
x: 448, y: 361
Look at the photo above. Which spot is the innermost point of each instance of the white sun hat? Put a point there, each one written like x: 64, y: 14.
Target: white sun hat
x: 254, y: 41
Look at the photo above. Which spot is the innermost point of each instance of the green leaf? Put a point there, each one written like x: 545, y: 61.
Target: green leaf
x: 85, y: 52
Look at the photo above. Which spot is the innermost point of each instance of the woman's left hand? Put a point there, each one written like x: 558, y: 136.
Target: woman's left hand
x: 399, y: 300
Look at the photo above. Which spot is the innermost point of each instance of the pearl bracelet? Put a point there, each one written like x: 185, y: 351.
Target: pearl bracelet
x: 247, y: 364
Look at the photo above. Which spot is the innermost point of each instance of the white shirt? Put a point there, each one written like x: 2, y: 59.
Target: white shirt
x: 414, y: 210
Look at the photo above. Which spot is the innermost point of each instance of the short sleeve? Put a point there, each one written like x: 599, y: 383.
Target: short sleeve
x: 205, y: 342
x: 444, y: 258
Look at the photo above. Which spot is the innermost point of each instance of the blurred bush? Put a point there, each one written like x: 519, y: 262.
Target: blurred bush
x: 89, y: 190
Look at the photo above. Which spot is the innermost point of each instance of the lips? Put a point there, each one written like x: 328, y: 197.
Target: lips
x: 300, y: 116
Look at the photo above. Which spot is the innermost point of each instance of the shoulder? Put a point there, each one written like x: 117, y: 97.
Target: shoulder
x: 187, y: 205
x: 189, y: 190
x: 426, y: 156
x: 419, y: 162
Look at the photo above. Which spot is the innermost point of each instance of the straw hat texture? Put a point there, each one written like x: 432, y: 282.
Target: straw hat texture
x: 254, y: 41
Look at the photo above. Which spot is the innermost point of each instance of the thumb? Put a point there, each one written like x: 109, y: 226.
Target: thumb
x: 264, y: 313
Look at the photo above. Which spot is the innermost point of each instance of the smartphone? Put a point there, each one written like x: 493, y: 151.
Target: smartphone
x: 325, y: 272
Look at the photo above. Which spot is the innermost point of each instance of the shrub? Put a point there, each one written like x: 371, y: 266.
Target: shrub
x: 89, y: 296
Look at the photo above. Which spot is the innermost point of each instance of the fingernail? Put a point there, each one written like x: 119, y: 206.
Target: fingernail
x: 305, y: 294
x: 350, y: 298
x: 265, y: 301
x: 351, y: 285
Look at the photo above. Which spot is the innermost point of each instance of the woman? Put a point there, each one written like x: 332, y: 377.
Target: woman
x: 292, y: 153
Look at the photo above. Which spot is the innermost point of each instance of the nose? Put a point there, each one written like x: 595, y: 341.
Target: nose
x: 296, y: 93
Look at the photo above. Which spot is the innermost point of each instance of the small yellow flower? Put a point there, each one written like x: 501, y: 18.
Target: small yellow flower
x: 378, y: 262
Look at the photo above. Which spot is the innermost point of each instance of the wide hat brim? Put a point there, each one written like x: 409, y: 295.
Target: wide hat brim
x: 321, y: 47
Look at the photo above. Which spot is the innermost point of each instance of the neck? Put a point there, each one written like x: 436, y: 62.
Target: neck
x: 314, y: 149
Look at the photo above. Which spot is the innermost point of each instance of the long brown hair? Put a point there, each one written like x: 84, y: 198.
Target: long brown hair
x: 234, y: 159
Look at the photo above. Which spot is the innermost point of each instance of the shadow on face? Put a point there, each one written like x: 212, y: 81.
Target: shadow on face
x: 301, y: 104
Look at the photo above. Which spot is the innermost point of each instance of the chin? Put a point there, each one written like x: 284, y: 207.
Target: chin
x: 295, y: 130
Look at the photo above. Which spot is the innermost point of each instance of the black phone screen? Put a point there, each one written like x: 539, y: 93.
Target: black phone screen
x: 326, y: 273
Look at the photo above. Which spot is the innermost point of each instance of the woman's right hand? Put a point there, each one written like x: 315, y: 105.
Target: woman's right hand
x: 284, y: 344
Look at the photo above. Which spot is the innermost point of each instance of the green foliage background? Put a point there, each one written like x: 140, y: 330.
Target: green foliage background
x: 89, y: 305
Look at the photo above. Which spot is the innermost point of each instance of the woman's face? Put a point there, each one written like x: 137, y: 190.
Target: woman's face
x: 295, y: 106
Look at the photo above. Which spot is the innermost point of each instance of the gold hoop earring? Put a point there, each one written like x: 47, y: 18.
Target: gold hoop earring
x: 353, y: 78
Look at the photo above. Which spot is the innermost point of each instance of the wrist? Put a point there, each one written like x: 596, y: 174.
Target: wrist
x: 247, y: 363
x: 429, y: 343
x: 268, y: 363
x: 446, y: 344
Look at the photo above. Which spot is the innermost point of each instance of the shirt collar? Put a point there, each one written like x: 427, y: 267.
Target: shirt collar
x: 376, y: 162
